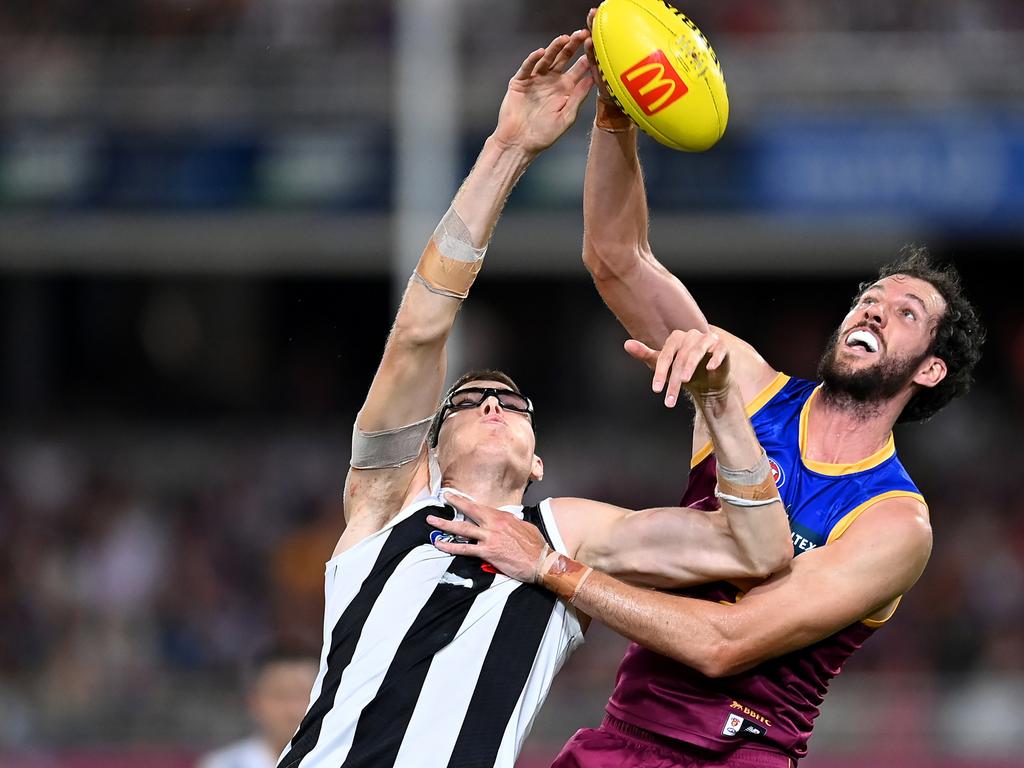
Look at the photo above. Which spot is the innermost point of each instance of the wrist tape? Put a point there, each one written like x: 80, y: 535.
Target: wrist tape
x: 611, y: 118
x: 753, y: 487
x: 450, y: 262
x: 563, y: 575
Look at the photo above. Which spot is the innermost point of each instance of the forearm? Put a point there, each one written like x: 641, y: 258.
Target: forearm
x: 647, y: 299
x: 482, y: 196
x: 690, y: 631
x: 615, y: 218
x: 759, y: 526
x: 732, y: 435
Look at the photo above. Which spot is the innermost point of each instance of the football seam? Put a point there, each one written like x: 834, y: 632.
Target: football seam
x: 692, y: 25
x: 718, y: 112
x: 650, y: 130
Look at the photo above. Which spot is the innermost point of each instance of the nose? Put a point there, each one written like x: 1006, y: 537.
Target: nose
x: 876, y: 313
x: 491, y: 405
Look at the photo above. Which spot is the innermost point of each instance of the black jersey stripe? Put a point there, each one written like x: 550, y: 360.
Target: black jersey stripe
x: 384, y: 721
x: 345, y: 635
x: 533, y: 515
x: 503, y: 676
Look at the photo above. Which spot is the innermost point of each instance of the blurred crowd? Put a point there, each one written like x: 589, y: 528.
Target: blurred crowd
x: 334, y: 23
x: 172, y: 449
x: 142, y: 562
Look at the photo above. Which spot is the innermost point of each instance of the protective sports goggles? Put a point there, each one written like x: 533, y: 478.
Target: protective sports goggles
x: 473, y: 397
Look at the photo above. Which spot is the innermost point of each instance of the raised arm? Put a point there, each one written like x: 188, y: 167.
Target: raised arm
x: 648, y: 300
x: 389, y: 456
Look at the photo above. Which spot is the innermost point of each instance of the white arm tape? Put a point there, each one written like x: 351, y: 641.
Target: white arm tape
x: 454, y: 240
x: 388, y: 448
x: 752, y: 476
x: 736, y: 501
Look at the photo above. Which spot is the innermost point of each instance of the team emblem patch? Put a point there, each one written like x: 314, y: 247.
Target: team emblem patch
x: 440, y: 536
x: 741, y: 726
x: 777, y: 474
x: 732, y: 725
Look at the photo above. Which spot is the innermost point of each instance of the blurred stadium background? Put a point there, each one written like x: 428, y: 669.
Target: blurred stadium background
x: 207, y: 206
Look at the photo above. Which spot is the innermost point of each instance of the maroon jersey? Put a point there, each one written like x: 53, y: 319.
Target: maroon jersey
x: 774, y: 704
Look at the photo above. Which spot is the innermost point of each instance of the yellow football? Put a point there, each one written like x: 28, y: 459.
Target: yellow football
x: 662, y: 71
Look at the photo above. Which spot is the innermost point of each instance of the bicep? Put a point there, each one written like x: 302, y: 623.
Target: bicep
x: 663, y: 547
x: 829, y: 588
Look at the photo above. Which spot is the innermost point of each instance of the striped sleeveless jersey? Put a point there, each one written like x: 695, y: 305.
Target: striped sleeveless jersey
x: 430, y: 660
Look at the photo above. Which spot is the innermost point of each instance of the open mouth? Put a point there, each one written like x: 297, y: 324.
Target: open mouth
x: 862, y: 339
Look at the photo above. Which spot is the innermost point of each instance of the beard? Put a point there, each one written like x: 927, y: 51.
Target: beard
x: 856, y: 388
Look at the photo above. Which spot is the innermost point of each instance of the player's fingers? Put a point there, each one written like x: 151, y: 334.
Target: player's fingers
x: 579, y: 70
x: 458, y: 527
x: 470, y: 508
x: 526, y: 69
x: 718, y: 353
x: 677, y: 376
x: 568, y: 51
x: 543, y: 65
x: 694, y: 358
x: 640, y: 351
x: 590, y: 17
x: 663, y: 368
x: 579, y: 92
x: 454, y: 548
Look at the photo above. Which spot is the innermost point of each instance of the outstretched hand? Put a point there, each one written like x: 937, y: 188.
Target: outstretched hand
x: 512, y: 546
x: 544, y: 97
x: 693, y: 359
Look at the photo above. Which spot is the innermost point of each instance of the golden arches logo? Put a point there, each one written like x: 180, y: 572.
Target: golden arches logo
x: 653, y: 83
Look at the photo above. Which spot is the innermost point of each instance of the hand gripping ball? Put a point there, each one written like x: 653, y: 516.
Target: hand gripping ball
x: 662, y: 72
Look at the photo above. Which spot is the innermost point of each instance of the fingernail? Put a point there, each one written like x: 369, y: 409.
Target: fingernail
x: 657, y: 385
x: 670, y: 400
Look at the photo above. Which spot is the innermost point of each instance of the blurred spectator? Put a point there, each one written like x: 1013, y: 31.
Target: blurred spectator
x: 277, y: 696
x: 297, y: 570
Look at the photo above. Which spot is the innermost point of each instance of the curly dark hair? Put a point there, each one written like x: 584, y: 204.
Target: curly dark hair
x: 958, y: 337
x: 479, y: 374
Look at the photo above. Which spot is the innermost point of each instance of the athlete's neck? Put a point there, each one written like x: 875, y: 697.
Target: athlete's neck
x: 842, y: 431
x: 485, y: 489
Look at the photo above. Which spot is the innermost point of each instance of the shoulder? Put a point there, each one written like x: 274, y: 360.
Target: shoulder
x: 900, y: 524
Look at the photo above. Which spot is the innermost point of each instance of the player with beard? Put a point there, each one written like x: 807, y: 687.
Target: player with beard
x: 713, y: 679
x: 733, y: 673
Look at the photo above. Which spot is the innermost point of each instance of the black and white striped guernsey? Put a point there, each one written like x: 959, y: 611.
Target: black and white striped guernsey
x: 430, y: 660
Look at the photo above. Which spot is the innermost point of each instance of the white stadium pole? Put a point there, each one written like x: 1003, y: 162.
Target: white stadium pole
x: 426, y: 126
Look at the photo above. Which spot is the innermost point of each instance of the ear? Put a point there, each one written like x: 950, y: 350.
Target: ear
x: 537, y: 469
x: 932, y: 371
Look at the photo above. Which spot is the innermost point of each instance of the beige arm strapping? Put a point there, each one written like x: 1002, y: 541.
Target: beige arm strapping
x: 450, y: 262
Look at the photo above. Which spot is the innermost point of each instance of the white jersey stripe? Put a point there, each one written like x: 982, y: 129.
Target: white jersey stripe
x: 452, y: 678
x: 430, y: 660
x: 389, y: 620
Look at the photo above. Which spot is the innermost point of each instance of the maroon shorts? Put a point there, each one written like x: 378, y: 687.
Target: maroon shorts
x: 620, y: 745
